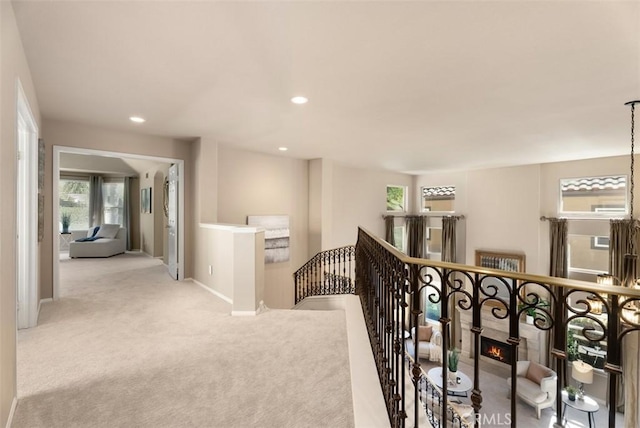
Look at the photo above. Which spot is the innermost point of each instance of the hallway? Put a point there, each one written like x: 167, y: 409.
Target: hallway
x: 127, y: 346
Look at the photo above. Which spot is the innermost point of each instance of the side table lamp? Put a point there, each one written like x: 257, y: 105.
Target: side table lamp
x: 583, y: 373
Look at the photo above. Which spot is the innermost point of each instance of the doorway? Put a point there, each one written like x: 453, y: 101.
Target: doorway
x: 57, y: 151
x: 26, y: 213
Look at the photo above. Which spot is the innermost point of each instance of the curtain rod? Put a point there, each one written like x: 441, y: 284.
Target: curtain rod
x: 459, y: 217
x: 544, y: 218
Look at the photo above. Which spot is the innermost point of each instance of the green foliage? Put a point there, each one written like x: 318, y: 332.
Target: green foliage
x: 395, y: 198
x: 572, y: 346
x: 454, y: 358
x: 66, y: 220
x: 571, y: 390
x: 75, y: 187
x: 532, y: 310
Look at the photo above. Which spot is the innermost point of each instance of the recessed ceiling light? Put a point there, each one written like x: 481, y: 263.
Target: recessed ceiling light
x: 283, y: 149
x: 136, y: 119
x: 299, y: 100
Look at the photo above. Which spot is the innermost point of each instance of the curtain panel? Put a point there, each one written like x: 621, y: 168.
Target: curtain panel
x: 416, y: 227
x: 389, y: 223
x: 126, y: 211
x: 96, y: 203
x: 558, y: 267
x: 623, y: 239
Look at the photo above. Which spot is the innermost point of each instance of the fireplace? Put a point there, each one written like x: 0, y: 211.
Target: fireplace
x: 495, y: 350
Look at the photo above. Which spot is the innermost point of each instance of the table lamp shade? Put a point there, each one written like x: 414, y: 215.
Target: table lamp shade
x: 582, y: 372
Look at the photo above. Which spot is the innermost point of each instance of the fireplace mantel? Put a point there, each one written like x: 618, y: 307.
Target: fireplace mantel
x: 533, y: 343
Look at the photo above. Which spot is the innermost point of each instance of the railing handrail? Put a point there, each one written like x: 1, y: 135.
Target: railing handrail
x: 328, y: 272
x: 317, y: 256
x: 521, y: 276
x: 390, y: 284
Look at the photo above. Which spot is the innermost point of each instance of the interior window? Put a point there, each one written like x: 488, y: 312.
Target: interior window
x: 399, y: 237
x: 594, y: 197
x: 113, y: 200
x: 438, y: 198
x: 74, y: 200
x: 396, y: 198
x: 588, y: 254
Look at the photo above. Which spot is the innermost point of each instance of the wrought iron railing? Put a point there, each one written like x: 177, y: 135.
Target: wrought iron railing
x: 390, y: 285
x: 328, y: 272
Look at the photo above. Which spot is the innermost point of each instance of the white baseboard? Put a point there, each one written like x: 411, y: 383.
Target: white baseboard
x: 214, y: 292
x: 243, y: 313
x: 12, y: 411
x: 47, y: 300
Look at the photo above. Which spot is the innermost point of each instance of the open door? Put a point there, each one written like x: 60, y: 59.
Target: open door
x: 172, y: 222
x: 26, y: 214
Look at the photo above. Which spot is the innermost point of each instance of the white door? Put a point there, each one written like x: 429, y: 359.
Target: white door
x: 172, y: 222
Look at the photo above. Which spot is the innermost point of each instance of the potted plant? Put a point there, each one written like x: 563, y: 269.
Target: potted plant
x: 531, y: 308
x: 571, y: 392
x: 452, y: 362
x: 66, y: 222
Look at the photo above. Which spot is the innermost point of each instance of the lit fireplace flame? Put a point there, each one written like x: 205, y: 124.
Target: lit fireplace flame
x: 495, y: 352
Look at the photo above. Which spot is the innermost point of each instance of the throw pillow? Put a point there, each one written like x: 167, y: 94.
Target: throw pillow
x: 537, y: 372
x: 108, y: 231
x: 92, y: 231
x: 425, y: 332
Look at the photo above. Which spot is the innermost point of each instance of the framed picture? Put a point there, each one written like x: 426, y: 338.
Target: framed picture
x: 507, y: 261
x: 41, y: 149
x: 276, y: 236
x: 40, y: 217
x: 145, y: 200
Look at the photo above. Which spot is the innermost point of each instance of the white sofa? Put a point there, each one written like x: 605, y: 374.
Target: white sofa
x: 535, y: 385
x: 103, y: 247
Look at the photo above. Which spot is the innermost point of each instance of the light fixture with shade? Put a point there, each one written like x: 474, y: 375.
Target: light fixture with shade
x: 583, y: 373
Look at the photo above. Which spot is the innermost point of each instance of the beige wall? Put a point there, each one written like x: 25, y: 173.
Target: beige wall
x: 60, y: 133
x: 13, y: 66
x: 153, y: 234
x: 359, y: 198
x: 259, y: 184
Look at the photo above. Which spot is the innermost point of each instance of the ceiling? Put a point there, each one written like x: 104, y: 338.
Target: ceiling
x: 114, y: 166
x: 403, y: 86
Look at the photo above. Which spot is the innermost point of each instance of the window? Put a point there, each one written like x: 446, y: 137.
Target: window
x: 396, y: 198
x: 431, y: 310
x: 439, y: 198
x: 594, y: 197
x: 399, y: 236
x: 434, y: 243
x: 74, y: 200
x: 588, y: 254
x: 113, y: 199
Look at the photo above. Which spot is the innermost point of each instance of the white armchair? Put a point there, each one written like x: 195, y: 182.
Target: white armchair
x: 429, y: 343
x: 535, y: 385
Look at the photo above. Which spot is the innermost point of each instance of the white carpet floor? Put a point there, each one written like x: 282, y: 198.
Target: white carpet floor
x: 125, y: 346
